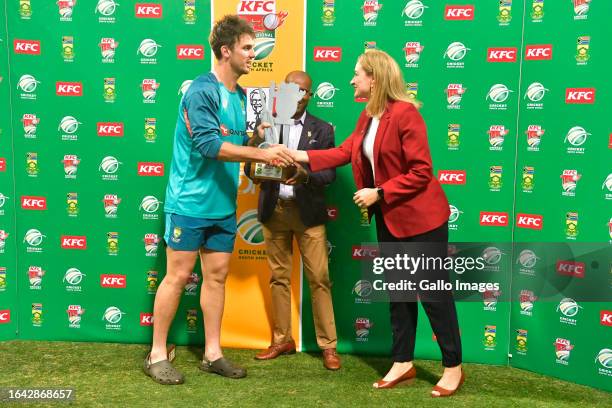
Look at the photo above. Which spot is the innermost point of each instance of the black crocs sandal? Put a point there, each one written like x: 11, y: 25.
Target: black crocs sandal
x: 223, y: 367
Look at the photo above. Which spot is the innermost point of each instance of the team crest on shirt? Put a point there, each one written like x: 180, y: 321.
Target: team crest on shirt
x: 176, y: 234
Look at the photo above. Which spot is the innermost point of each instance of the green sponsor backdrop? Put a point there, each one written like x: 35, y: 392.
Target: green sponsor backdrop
x: 433, y: 72
x: 86, y: 154
x: 566, y: 337
x: 482, y: 136
x: 111, y: 133
x: 8, y: 279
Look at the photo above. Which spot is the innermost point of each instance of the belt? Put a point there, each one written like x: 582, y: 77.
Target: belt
x: 286, y: 202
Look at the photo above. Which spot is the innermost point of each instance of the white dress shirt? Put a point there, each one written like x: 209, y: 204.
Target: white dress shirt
x: 368, y: 143
x: 291, y: 139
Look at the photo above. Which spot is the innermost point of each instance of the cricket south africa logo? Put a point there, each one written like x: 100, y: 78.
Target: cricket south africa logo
x: 112, y: 316
x: 106, y: 11
x: 413, y: 12
x: 249, y: 229
x: 498, y: 96
x: 576, y: 137
x: 147, y: 50
x: 455, y: 53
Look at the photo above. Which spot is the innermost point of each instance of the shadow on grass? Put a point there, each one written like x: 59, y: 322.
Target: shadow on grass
x: 197, y: 351
x: 382, y: 365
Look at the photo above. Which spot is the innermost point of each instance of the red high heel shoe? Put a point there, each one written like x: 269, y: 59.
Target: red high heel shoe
x: 443, y: 392
x: 402, y: 379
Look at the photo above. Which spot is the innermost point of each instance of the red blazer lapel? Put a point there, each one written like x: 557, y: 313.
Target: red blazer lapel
x: 359, y: 161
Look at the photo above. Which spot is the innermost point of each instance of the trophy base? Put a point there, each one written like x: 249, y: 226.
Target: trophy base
x: 263, y: 171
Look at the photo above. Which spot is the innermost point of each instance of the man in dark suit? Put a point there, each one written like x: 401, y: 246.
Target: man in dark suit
x: 297, y: 208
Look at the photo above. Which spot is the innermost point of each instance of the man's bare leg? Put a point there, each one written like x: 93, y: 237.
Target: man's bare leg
x: 215, y: 266
x: 179, y: 268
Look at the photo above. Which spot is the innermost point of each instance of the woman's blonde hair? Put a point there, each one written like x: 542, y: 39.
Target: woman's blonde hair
x: 388, y: 81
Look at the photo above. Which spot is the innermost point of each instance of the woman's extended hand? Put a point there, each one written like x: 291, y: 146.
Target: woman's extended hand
x: 300, y: 156
x: 366, y: 197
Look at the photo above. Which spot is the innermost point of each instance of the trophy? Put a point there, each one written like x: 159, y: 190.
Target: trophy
x: 285, y: 98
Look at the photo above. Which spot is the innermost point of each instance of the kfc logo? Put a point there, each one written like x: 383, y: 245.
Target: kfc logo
x: 365, y: 252
x: 493, y: 219
x: 74, y: 242
x: 580, y: 95
x: 146, y: 319
x: 113, y: 281
x: 459, y: 13
x: 148, y: 10
x: 538, y: 52
x: 529, y: 221
x: 113, y: 129
x: 256, y: 7
x: 571, y: 268
x: 150, y: 169
x: 451, y: 176
x: 501, y: 54
x: 190, y: 52
x: 68, y: 89
x: 605, y: 317
x: 28, y: 47
x: 333, y: 54
x: 5, y: 316
x: 33, y: 203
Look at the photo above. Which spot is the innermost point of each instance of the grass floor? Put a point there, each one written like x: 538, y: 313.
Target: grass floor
x: 110, y: 375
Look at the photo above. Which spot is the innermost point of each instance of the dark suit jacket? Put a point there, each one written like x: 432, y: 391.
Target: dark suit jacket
x: 310, y: 197
x: 414, y: 201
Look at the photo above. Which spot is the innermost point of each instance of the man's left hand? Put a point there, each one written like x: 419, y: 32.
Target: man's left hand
x: 300, y: 176
x: 365, y: 197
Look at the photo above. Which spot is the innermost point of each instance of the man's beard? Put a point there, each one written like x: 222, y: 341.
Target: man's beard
x: 240, y: 69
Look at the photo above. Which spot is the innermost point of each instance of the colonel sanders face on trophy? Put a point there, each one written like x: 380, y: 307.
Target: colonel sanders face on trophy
x: 255, y: 101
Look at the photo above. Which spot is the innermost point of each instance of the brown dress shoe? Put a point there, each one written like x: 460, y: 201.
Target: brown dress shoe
x: 276, y: 350
x: 331, y: 360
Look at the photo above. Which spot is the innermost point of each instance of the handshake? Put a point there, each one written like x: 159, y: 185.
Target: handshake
x: 271, y: 154
x: 280, y: 165
x: 276, y: 161
x: 278, y: 155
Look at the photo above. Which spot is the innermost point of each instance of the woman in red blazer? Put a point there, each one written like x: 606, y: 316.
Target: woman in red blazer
x: 392, y: 168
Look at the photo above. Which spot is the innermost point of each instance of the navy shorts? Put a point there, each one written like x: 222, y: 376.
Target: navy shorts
x: 190, y: 234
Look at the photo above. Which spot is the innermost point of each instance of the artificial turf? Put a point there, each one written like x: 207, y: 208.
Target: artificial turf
x: 110, y: 375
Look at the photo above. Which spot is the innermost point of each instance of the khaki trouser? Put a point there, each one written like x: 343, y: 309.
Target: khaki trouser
x: 312, y: 242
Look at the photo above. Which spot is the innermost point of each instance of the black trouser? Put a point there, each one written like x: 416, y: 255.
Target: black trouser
x: 440, y: 307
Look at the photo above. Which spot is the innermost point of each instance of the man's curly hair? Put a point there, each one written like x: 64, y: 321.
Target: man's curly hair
x: 227, y: 32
